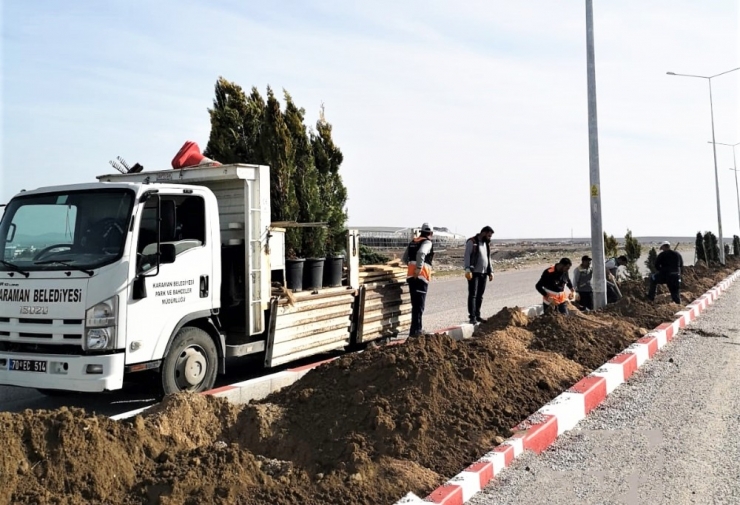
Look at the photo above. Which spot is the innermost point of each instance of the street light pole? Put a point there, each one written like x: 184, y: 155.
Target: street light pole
x: 716, y: 181
x: 597, y: 232
x: 714, y: 148
x: 734, y: 162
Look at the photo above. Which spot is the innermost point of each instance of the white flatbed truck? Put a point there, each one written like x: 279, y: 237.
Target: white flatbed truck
x: 166, y: 271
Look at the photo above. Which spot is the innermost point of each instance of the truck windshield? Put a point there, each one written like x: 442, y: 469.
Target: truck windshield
x: 63, y: 231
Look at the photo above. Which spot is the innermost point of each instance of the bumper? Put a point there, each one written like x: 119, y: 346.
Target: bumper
x: 65, y: 372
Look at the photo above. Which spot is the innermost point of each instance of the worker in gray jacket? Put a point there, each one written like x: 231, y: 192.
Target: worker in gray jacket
x: 478, y: 271
x: 582, y: 277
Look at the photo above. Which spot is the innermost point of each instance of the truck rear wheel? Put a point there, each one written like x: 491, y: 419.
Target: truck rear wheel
x: 191, y: 364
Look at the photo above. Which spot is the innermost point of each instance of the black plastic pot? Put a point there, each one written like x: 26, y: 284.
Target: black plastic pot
x: 313, y: 273
x: 333, y: 271
x: 294, y: 273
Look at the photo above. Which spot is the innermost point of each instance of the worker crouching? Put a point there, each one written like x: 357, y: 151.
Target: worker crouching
x: 552, y: 287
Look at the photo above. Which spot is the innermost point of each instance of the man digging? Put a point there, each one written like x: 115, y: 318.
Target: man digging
x: 668, y: 264
x: 552, y: 287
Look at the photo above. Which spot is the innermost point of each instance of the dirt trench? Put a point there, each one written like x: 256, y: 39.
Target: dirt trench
x: 363, y: 429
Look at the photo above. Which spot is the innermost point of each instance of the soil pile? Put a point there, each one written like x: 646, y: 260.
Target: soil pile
x: 67, y: 457
x: 363, y: 429
x: 587, y: 340
x: 413, y: 401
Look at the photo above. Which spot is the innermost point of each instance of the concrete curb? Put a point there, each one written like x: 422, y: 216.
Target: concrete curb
x: 260, y: 387
x: 539, y: 431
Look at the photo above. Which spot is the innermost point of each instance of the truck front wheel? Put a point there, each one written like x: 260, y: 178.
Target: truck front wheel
x: 191, y: 364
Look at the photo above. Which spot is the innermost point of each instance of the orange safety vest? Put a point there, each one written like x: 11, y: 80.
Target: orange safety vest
x: 426, y: 267
x: 554, y: 297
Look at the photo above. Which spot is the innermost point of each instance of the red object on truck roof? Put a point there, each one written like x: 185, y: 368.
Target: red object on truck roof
x: 189, y: 155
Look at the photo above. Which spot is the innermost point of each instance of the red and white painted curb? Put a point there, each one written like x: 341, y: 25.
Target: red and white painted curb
x: 540, y: 430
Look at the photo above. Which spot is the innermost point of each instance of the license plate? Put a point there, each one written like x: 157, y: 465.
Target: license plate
x: 27, y: 365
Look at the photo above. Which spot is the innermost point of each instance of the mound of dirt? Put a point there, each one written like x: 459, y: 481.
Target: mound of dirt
x: 506, y: 317
x: 587, y: 340
x: 410, y: 402
x: 644, y: 314
x: 67, y: 457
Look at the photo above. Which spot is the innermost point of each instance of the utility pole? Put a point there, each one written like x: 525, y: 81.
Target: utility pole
x: 734, y: 169
x: 597, y: 231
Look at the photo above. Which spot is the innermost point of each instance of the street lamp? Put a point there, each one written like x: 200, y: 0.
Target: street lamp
x: 734, y: 162
x: 597, y: 230
x: 714, y: 147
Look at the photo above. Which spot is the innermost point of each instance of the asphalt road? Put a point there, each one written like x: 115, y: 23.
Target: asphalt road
x: 667, y: 436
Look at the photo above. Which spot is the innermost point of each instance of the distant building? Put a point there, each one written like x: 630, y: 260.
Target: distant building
x: 388, y: 237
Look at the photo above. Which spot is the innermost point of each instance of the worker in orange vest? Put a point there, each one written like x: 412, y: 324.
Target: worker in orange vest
x: 418, y: 256
x: 552, y: 286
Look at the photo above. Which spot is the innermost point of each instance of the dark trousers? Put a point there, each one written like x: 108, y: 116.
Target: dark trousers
x: 586, y: 299
x: 418, y: 289
x: 612, y: 293
x: 562, y: 308
x: 672, y: 280
x: 476, y: 289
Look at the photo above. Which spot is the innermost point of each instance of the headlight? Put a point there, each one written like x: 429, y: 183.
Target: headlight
x: 100, y: 325
x: 102, y: 314
x: 99, y: 339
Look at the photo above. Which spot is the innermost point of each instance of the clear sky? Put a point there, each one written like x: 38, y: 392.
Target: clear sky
x: 457, y: 113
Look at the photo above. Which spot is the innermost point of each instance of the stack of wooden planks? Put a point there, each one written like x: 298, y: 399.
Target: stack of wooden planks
x: 387, y: 311
x: 371, y: 274
x: 312, y: 322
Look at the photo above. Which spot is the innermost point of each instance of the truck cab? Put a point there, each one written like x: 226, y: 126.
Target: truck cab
x: 168, y: 271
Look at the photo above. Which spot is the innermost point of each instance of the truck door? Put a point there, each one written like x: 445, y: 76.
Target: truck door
x: 173, y: 291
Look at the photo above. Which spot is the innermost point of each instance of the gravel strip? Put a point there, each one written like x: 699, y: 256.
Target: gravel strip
x: 668, y: 436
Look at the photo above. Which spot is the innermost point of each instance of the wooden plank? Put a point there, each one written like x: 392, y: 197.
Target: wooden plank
x: 367, y: 279
x: 331, y: 346
x: 320, y: 303
x: 311, y: 316
x: 389, y: 332
x: 311, y: 341
x: 390, y: 311
x: 379, y: 273
x: 385, y: 316
x: 308, y: 301
x: 381, y: 269
x: 376, y: 284
x: 389, y: 291
x: 322, y: 293
x: 382, y: 304
x: 388, y: 318
x: 377, y: 327
x: 392, y: 323
x: 305, y: 330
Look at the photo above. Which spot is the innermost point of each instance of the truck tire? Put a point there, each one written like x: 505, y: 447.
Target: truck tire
x: 191, y: 364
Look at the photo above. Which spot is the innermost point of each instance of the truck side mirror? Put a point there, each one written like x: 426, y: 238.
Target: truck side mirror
x: 139, y: 291
x: 167, y: 254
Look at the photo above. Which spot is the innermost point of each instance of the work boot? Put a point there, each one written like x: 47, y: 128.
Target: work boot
x: 472, y: 320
